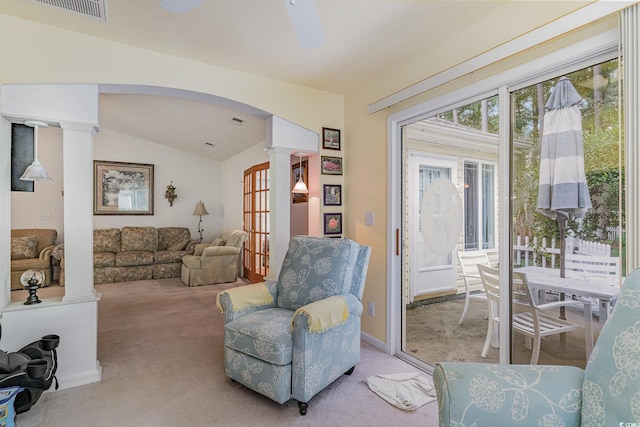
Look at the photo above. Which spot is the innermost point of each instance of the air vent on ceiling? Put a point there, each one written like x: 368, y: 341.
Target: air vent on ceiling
x: 236, y: 121
x: 209, y: 144
x: 90, y: 8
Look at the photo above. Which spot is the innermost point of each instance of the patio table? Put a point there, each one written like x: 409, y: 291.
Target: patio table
x: 605, y: 289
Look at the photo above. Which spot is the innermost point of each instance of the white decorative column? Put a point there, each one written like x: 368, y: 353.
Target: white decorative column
x: 78, y: 209
x: 280, y: 208
x: 282, y: 140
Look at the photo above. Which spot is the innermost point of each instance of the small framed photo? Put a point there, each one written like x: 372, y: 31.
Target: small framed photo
x: 333, y: 223
x: 332, y: 195
x: 331, y: 139
x: 298, y: 169
x: 122, y: 188
x: 331, y: 165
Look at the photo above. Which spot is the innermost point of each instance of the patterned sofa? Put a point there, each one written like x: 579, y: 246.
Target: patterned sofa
x: 606, y: 393
x: 135, y: 253
x: 31, y: 248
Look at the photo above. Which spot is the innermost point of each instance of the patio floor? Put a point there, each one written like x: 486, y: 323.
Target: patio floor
x: 434, y: 335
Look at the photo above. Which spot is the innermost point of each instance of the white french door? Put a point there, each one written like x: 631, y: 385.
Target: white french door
x: 429, y: 272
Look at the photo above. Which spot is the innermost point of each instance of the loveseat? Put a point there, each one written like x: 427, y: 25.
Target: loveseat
x: 136, y: 253
x: 31, y: 248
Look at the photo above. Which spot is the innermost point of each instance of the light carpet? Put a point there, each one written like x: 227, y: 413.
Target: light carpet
x: 160, y: 345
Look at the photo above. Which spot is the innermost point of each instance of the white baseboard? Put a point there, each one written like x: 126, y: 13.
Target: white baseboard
x: 380, y: 345
x: 78, y: 379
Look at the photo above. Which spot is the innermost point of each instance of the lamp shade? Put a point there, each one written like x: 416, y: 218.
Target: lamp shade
x: 300, y: 187
x: 35, y: 171
x: 200, y: 209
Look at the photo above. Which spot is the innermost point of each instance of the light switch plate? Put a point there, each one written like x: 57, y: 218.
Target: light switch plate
x: 369, y: 219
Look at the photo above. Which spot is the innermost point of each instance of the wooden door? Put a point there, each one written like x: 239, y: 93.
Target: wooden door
x: 256, y: 222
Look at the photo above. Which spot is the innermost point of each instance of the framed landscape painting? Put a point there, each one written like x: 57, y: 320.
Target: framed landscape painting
x: 122, y: 188
x: 331, y: 139
x: 331, y: 165
x: 297, y: 169
x: 332, y: 195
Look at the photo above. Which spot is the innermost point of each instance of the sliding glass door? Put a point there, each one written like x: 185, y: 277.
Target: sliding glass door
x: 450, y: 193
x: 462, y: 146
x: 567, y: 213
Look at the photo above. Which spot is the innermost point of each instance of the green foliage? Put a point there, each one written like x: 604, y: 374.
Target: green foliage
x: 598, y: 86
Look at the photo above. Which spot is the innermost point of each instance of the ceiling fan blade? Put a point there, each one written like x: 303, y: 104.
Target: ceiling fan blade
x: 306, y: 22
x: 180, y: 6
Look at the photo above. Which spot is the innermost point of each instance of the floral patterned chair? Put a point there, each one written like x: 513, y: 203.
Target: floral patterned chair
x: 606, y: 393
x: 292, y: 338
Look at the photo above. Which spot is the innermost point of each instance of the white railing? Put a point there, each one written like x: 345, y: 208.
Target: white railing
x: 614, y: 232
x: 591, y: 248
x: 529, y: 252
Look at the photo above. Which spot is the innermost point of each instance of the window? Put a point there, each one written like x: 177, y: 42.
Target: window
x: 479, y: 205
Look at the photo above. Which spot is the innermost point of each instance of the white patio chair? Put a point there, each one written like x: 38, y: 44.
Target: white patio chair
x: 469, y: 261
x: 600, y: 265
x: 529, y: 319
x: 593, y: 265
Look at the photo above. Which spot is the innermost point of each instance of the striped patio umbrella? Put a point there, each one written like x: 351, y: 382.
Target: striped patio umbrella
x: 563, y: 193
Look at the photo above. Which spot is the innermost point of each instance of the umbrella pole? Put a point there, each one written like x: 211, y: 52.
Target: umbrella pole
x: 562, y: 225
x: 563, y: 250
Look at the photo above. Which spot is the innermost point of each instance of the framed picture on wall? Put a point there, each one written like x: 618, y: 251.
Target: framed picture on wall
x: 330, y: 139
x: 331, y: 165
x: 333, y: 223
x: 332, y: 195
x: 295, y: 176
x: 122, y: 188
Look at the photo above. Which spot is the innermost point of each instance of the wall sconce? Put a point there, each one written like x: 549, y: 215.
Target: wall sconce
x: 170, y: 194
x: 200, y: 210
x: 35, y: 171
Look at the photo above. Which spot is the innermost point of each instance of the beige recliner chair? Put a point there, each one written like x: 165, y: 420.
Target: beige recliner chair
x: 215, y: 262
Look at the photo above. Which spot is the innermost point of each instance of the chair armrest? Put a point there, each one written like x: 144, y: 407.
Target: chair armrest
x: 46, y: 252
x: 237, y: 302
x: 508, y: 394
x: 58, y: 252
x: 211, y: 251
x: 191, y: 247
x: 556, y: 304
x: 328, y: 313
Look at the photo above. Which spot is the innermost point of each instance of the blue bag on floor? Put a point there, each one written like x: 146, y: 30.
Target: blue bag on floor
x: 7, y: 412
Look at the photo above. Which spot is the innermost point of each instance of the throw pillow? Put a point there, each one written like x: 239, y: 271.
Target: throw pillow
x: 218, y: 241
x: 178, y: 244
x: 24, y: 247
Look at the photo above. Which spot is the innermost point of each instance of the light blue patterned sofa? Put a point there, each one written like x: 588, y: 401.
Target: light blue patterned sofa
x: 606, y: 393
x: 292, y: 338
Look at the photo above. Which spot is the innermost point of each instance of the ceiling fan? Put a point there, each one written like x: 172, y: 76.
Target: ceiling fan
x: 303, y: 15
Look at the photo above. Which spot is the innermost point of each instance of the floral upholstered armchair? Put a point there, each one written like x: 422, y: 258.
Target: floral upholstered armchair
x: 606, y: 393
x: 292, y: 338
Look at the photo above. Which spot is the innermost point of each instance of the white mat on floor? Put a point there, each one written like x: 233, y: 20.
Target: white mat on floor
x: 408, y: 390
